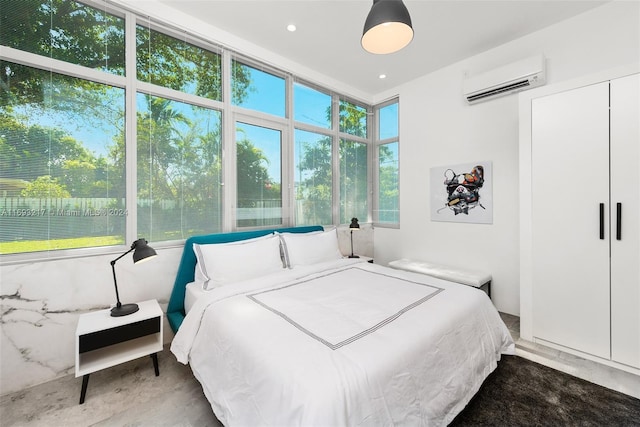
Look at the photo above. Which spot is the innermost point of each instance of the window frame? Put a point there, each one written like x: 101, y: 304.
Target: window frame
x: 377, y: 142
x: 229, y: 115
x: 230, y: 206
x: 265, y: 68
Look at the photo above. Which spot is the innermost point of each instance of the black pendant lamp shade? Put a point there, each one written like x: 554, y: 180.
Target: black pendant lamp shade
x: 387, y: 28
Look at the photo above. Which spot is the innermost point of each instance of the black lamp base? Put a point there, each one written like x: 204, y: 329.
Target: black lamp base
x: 124, y: 310
x: 354, y: 256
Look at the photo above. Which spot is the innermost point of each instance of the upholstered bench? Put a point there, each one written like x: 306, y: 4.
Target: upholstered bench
x: 477, y: 279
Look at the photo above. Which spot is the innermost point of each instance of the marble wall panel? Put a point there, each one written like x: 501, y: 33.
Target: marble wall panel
x: 40, y: 302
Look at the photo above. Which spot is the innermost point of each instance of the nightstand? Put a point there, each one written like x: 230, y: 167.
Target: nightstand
x: 103, y: 341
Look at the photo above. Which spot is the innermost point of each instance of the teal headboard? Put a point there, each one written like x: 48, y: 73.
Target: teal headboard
x: 175, y: 309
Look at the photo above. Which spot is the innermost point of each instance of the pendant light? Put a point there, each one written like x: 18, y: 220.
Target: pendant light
x: 387, y: 28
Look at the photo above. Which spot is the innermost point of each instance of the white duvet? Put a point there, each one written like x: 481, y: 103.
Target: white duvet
x: 342, y: 343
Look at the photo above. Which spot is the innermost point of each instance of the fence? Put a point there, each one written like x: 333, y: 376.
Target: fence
x: 24, y: 218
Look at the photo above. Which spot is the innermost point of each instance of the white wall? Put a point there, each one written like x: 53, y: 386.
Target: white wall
x: 41, y: 301
x: 438, y: 128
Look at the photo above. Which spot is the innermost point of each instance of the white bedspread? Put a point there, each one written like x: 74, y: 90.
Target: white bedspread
x: 346, y: 343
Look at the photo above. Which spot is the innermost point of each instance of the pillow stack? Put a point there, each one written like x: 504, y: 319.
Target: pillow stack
x: 221, y: 264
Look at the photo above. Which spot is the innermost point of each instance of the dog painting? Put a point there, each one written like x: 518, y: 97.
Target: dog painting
x: 462, y: 193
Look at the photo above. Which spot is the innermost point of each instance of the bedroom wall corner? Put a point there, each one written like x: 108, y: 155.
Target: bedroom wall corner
x: 438, y: 128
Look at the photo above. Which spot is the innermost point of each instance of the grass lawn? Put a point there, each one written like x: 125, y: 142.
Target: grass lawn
x: 51, y: 245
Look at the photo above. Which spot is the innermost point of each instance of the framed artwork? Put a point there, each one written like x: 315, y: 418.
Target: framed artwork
x: 462, y: 193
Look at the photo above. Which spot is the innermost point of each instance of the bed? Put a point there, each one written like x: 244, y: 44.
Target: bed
x: 323, y: 340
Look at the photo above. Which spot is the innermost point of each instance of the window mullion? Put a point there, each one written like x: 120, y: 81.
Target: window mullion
x: 131, y: 156
x: 288, y: 172
x: 57, y: 66
x: 335, y: 159
x: 229, y: 193
x: 371, y: 156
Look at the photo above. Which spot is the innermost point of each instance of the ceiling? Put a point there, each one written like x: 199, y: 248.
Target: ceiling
x: 328, y: 33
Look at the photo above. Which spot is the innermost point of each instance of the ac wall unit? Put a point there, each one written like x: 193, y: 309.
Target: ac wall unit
x: 515, y: 77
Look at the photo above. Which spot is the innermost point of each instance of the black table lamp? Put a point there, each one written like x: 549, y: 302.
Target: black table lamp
x: 142, y: 252
x: 354, y: 226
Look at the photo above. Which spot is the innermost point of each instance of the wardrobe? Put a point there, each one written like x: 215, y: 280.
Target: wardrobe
x: 580, y: 260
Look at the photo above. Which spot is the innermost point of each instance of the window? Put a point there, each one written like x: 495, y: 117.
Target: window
x: 175, y: 64
x: 311, y: 106
x: 65, y: 30
x: 89, y: 158
x: 353, y: 181
x: 388, y: 122
x: 61, y: 162
x: 179, y: 169
x: 257, y: 90
x: 387, y: 173
x: 259, y: 176
x: 179, y: 144
x: 353, y: 119
x: 388, y: 195
x: 313, y: 180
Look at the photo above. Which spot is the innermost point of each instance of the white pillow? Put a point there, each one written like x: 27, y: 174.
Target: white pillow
x: 221, y: 264
x: 310, y: 248
x: 199, y: 275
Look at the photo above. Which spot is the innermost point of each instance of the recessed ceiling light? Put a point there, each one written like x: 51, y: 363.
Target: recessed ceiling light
x: 291, y: 27
x: 382, y: 76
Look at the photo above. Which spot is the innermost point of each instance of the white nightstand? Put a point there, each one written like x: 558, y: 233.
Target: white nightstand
x: 103, y: 341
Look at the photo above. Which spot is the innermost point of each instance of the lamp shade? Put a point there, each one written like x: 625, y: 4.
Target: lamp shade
x: 387, y: 28
x: 354, y: 224
x: 142, y: 251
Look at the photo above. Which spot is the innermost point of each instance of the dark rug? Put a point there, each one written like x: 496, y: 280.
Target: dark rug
x: 524, y: 393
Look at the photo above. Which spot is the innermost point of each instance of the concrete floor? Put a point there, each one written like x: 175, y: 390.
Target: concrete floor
x: 131, y: 395
x: 125, y: 395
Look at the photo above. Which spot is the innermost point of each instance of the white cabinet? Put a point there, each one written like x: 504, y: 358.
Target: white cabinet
x: 570, y: 182
x: 625, y: 239
x: 584, y: 258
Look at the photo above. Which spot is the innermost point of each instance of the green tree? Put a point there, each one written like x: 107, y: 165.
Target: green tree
x: 206, y: 177
x: 173, y: 63
x: 254, y: 182
x: 316, y: 189
x: 28, y: 152
x: 45, y: 187
x: 388, y: 185
x: 353, y: 119
x: 156, y: 152
x: 80, y: 177
x: 353, y: 180
x: 61, y: 29
x: 78, y: 33
x: 316, y: 167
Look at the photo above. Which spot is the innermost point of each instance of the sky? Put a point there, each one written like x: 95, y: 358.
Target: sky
x: 310, y: 107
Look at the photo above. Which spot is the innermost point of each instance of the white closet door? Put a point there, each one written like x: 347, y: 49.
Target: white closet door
x: 570, y: 180
x: 625, y: 248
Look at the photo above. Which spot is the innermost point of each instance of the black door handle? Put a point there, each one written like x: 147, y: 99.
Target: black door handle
x: 601, y: 221
x: 618, y: 221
